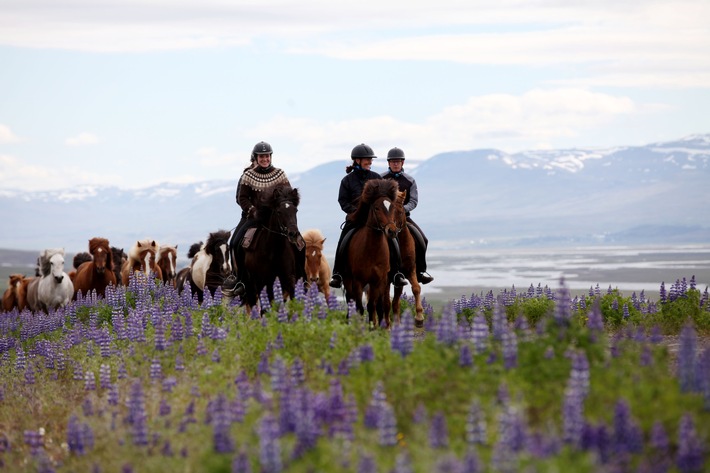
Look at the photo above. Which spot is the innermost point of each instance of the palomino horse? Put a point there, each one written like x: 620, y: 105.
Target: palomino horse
x: 11, y: 297
x: 317, y: 267
x: 119, y: 258
x: 167, y: 261
x: 53, y: 289
x: 368, y: 252
x: 209, y: 266
x: 276, y: 251
x: 409, y: 265
x: 141, y: 258
x: 98, y: 273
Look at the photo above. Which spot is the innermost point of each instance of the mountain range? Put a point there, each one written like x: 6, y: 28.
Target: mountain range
x: 652, y: 194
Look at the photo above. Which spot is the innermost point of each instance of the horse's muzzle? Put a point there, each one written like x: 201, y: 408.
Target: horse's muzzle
x: 391, y: 231
x: 297, y: 239
x: 59, y: 279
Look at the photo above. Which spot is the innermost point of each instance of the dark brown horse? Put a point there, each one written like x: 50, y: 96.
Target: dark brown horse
x: 119, y: 258
x: 276, y: 250
x: 142, y: 258
x: 167, y: 261
x: 209, y: 266
x: 368, y: 253
x: 98, y: 273
x: 409, y: 264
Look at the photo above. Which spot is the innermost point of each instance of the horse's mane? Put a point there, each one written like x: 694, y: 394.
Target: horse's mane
x: 166, y: 248
x: 98, y: 242
x: 45, y: 264
x: 194, y: 249
x: 134, y: 253
x: 374, y: 189
x: 81, y: 258
x: 215, y: 239
x: 278, y: 195
x: 313, y: 237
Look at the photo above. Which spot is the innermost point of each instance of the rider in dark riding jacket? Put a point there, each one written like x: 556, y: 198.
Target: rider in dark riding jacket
x: 257, y: 178
x: 351, y: 186
x: 395, y: 160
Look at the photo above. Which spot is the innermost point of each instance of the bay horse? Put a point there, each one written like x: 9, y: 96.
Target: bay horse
x: 141, y: 258
x: 368, y: 253
x: 53, y: 288
x: 97, y: 273
x: 317, y: 267
x: 167, y: 261
x: 209, y: 266
x: 409, y: 263
x: 276, y: 250
x: 11, y: 297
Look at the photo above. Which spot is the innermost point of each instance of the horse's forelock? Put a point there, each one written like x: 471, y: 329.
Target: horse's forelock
x: 313, y: 237
x: 215, y: 239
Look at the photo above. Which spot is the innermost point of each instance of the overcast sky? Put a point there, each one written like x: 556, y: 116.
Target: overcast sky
x: 134, y: 93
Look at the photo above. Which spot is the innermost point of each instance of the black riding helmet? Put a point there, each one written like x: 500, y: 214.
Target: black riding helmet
x: 362, y: 151
x: 395, y: 153
x: 261, y: 147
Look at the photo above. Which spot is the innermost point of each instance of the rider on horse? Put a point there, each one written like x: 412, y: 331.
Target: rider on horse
x: 260, y: 176
x: 395, y: 160
x: 351, y: 186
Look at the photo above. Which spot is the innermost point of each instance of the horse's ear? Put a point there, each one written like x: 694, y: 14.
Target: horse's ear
x: 322, y: 241
x: 153, y: 243
x: 138, y: 242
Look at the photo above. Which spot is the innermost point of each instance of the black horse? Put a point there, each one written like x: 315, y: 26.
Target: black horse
x: 277, y: 247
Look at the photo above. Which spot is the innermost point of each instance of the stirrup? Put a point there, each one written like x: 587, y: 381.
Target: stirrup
x: 399, y: 280
x: 336, y: 281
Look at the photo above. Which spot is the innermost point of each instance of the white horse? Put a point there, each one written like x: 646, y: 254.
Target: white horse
x: 53, y: 289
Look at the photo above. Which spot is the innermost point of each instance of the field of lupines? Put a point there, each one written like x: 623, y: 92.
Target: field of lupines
x: 148, y: 380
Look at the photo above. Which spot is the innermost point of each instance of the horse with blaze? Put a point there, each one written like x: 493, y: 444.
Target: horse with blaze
x: 368, y: 252
x: 208, y: 267
x: 317, y: 267
x: 167, y: 261
x: 12, y: 297
x: 96, y: 274
x: 276, y: 251
x: 142, y: 258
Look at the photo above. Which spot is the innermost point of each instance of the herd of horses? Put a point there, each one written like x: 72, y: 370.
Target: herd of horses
x: 277, y: 250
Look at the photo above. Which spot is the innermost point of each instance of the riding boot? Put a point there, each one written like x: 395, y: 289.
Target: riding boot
x: 398, y: 278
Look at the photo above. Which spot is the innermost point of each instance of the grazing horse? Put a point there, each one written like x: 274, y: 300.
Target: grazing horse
x: 53, y: 289
x: 141, y: 258
x: 368, y: 252
x: 79, y: 259
x: 317, y: 267
x: 11, y: 297
x: 167, y: 261
x: 276, y: 251
x: 119, y: 257
x: 409, y: 264
x: 209, y: 266
x: 97, y: 273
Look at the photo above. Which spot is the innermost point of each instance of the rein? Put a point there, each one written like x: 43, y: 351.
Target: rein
x: 380, y: 227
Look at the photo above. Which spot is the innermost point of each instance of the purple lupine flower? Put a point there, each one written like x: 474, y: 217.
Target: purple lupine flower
x: 179, y: 363
x: 269, y: 445
x: 446, y: 328
x: 278, y: 292
x: 29, y: 374
x: 500, y: 320
x: 104, y: 376
x: 278, y: 375
x: 403, y: 463
x: 215, y: 356
x: 512, y: 430
x: 201, y: 348
x: 465, y: 356
x: 89, y: 381
x: 627, y: 435
x: 687, y: 369
x: 164, y: 408
x: 87, y: 407
x: 298, y: 376
x: 366, y: 464
x: 113, y: 394
x: 387, y: 426
x: 156, y: 369
x: 690, y: 448
x: 76, y: 436
x: 479, y: 333
x: 137, y: 416
x: 420, y: 414
x: 264, y: 300
x: 438, y: 431
x: 367, y: 353
x: 510, y: 348
x: 374, y: 408
x: 563, y: 311
x: 663, y: 297
x: 471, y: 463
x: 263, y: 366
x: 595, y: 322
x: 122, y: 373
x: 221, y: 423
x: 476, y: 424
x: 34, y: 440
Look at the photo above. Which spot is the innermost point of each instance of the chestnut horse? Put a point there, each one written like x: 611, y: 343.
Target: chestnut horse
x: 409, y: 265
x: 368, y: 252
x: 209, y: 266
x: 141, y: 258
x: 167, y: 261
x: 317, y: 267
x: 11, y: 297
x: 98, y: 273
x: 53, y: 289
x: 276, y: 250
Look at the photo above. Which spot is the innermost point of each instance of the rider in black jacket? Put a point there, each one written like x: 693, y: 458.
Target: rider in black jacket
x: 395, y: 160
x: 351, y: 186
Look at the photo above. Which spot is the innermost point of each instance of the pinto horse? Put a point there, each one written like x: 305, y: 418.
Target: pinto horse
x: 317, y: 267
x: 141, y: 258
x: 368, y: 252
x: 98, y: 273
x: 208, y: 267
x: 53, y: 288
x: 167, y: 261
x: 276, y: 251
x: 409, y: 265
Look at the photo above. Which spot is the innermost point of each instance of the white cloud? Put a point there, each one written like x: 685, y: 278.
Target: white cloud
x: 212, y: 157
x: 7, y: 136
x: 82, y: 139
x: 15, y: 173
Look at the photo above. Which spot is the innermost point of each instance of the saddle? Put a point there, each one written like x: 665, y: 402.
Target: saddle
x: 418, y: 237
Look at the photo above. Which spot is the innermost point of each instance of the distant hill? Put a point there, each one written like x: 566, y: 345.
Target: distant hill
x: 624, y: 195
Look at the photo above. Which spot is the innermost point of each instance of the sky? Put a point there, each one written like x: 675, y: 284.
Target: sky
x: 137, y: 93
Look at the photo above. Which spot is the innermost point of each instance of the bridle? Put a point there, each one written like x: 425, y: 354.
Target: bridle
x: 380, y: 227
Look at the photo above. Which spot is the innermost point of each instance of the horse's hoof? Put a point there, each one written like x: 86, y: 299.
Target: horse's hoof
x: 419, y: 323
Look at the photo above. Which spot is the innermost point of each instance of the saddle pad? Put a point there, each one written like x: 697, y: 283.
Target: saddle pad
x: 248, y: 237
